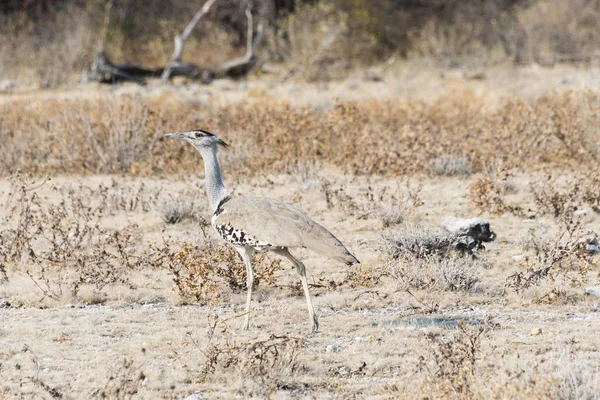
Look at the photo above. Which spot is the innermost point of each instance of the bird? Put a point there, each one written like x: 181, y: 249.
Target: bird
x: 261, y: 224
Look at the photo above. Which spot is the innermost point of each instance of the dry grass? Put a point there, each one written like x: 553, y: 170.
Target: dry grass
x: 109, y: 235
x: 317, y: 41
x: 259, y: 366
x: 180, y: 207
x: 63, y: 246
x: 452, y: 367
x: 563, y: 259
x: 204, y: 274
x: 577, y: 193
x: 365, y: 310
x: 125, y: 135
x: 451, y: 165
x: 488, y: 192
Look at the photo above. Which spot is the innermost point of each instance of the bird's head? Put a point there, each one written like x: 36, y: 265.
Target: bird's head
x: 200, y: 139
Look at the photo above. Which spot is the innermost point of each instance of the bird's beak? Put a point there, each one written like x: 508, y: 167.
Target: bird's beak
x: 176, y: 135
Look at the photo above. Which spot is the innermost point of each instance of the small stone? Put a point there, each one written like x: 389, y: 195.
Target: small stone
x: 536, y: 331
x: 360, y: 339
x: 332, y: 348
x: 592, y: 291
x: 593, y: 246
x: 584, y: 211
x: 476, y: 228
x: 195, y: 396
x: 8, y: 84
x: 343, y: 370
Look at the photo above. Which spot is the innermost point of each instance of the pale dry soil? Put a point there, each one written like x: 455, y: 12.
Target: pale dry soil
x: 411, y: 81
x: 372, y: 342
x: 143, y: 341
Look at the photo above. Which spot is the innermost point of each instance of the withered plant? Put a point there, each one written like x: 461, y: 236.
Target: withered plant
x: 124, y: 135
x: 564, y: 256
x: 581, y: 190
x: 202, y: 273
x: 488, y: 192
x: 453, y: 359
x: 260, y: 365
x: 64, y: 246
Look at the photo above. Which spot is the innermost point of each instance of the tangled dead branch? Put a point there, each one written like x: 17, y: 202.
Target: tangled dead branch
x: 105, y: 71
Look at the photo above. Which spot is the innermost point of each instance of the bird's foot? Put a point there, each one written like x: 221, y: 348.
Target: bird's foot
x: 315, y: 324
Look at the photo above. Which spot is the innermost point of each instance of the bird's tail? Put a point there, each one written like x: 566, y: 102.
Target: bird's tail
x: 348, y: 259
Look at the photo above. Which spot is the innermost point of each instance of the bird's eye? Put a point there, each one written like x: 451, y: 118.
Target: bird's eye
x: 198, y: 135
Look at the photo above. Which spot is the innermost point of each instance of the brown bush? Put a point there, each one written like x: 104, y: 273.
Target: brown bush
x: 455, y: 359
x: 63, y: 246
x: 488, y: 192
x: 318, y: 39
x: 378, y: 137
x: 562, y: 202
x: 563, y: 258
x: 203, y: 274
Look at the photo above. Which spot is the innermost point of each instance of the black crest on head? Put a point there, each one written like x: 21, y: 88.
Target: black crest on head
x: 202, y: 132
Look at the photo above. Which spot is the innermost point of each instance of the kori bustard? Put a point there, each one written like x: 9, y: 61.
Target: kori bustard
x: 260, y: 224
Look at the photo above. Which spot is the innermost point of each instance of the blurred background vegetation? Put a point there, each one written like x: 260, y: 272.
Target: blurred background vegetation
x: 53, y: 41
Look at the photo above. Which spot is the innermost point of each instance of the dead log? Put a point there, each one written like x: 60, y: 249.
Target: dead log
x: 105, y: 71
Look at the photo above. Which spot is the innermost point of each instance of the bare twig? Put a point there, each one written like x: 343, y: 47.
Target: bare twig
x: 99, y: 56
x: 242, y: 65
x: 180, y: 40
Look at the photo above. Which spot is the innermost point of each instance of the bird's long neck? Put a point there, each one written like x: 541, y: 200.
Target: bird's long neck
x: 215, y: 189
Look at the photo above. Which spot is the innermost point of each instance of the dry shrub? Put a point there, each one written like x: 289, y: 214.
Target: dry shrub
x: 179, y: 207
x: 450, y: 274
x: 63, y: 246
x: 260, y: 366
x: 423, y: 243
x: 203, y: 273
x: 423, y: 259
x: 30, y: 381
x: 451, y: 165
x: 49, y: 52
x: 555, y: 31
x: 360, y: 275
x: 561, y: 259
x: 581, y: 190
x: 488, y: 192
x: 379, y: 137
x: 392, y: 216
x: 452, y: 360
x: 122, y: 384
x: 336, y: 197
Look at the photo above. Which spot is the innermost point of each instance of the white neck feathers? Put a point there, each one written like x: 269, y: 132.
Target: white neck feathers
x: 215, y: 189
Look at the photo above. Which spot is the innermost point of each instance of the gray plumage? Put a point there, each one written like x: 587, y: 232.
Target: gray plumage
x: 280, y: 225
x: 259, y: 224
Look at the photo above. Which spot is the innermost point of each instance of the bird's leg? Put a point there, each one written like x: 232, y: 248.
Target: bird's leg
x: 246, y: 253
x: 302, y: 271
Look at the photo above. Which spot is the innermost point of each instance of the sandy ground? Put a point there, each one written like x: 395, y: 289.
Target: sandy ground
x: 412, y: 81
x: 141, y: 340
x: 78, y: 348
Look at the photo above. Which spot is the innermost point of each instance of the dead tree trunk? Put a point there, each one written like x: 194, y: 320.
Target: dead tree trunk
x: 241, y: 66
x: 180, y: 41
x: 105, y: 71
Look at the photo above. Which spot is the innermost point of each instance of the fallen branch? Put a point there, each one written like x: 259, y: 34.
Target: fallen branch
x: 105, y: 71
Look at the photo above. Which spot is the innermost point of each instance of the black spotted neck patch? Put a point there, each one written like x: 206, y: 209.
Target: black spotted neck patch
x: 238, y: 237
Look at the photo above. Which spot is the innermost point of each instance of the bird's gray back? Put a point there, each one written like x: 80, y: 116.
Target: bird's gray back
x: 268, y: 223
